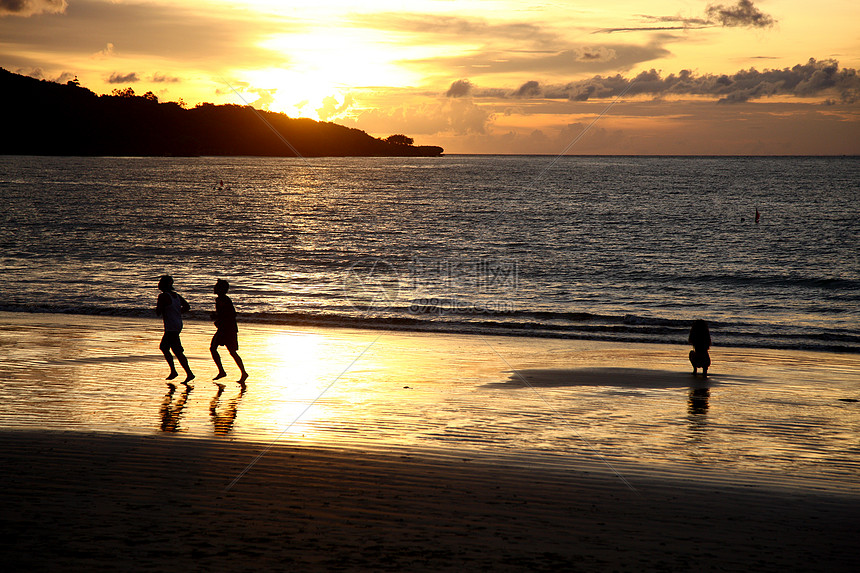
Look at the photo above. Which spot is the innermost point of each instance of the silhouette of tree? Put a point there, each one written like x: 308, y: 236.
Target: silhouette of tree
x: 127, y: 92
x: 68, y: 119
x: 399, y: 139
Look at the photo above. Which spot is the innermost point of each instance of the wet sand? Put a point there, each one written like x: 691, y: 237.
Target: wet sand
x: 78, y: 502
x: 355, y: 450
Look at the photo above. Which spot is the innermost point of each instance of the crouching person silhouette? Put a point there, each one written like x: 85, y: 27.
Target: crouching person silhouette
x: 170, y: 307
x: 700, y: 338
x: 227, y: 331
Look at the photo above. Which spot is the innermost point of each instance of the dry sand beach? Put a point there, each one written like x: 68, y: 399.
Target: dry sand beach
x: 376, y: 450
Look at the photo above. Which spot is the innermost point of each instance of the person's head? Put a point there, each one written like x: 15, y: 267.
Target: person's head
x: 221, y: 286
x: 165, y: 283
x: 699, y: 332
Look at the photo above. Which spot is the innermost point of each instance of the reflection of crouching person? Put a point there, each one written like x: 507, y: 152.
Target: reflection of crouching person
x: 227, y: 331
x: 700, y: 338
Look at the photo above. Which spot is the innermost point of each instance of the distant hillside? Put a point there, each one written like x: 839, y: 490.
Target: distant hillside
x: 47, y: 118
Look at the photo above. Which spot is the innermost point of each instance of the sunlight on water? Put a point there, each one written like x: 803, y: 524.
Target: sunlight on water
x: 618, y: 249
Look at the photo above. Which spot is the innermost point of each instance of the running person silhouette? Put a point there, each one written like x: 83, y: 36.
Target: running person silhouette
x: 227, y: 331
x: 170, y: 307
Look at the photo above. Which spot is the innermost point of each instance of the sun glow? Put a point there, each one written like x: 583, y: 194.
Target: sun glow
x: 292, y: 92
x: 295, y: 373
x: 322, y: 64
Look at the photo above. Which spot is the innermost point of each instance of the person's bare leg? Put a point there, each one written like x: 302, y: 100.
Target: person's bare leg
x: 165, y: 349
x: 217, y: 358
x: 169, y: 357
x: 240, y: 364
x: 189, y: 376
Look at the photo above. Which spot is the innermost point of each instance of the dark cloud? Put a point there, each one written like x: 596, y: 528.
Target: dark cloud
x: 36, y: 73
x: 460, y: 88
x: 677, y: 20
x: 528, y: 89
x: 162, y: 79
x: 660, y: 24
x: 64, y: 77
x: 806, y: 80
x: 743, y: 14
x: 39, y: 74
x: 647, y: 29
x: 31, y: 7
x: 596, y: 54
x: 492, y: 93
x: 117, y: 78
x: 813, y: 78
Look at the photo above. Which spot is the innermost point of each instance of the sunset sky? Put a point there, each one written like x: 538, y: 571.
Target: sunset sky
x: 656, y: 77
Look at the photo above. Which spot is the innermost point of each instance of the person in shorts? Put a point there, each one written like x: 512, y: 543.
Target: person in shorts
x: 170, y: 307
x: 227, y: 331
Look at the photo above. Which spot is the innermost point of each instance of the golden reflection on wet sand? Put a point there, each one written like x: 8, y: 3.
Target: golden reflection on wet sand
x: 783, y: 414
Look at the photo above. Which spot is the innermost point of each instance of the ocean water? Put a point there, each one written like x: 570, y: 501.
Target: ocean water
x: 606, y: 248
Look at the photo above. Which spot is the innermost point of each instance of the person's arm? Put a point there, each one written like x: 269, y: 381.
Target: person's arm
x: 184, y: 306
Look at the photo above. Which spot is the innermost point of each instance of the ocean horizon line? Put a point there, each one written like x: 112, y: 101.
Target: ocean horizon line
x: 454, y: 154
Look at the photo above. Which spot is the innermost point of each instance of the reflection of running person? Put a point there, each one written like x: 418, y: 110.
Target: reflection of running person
x: 170, y: 307
x: 224, y: 420
x: 227, y: 333
x: 171, y: 412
